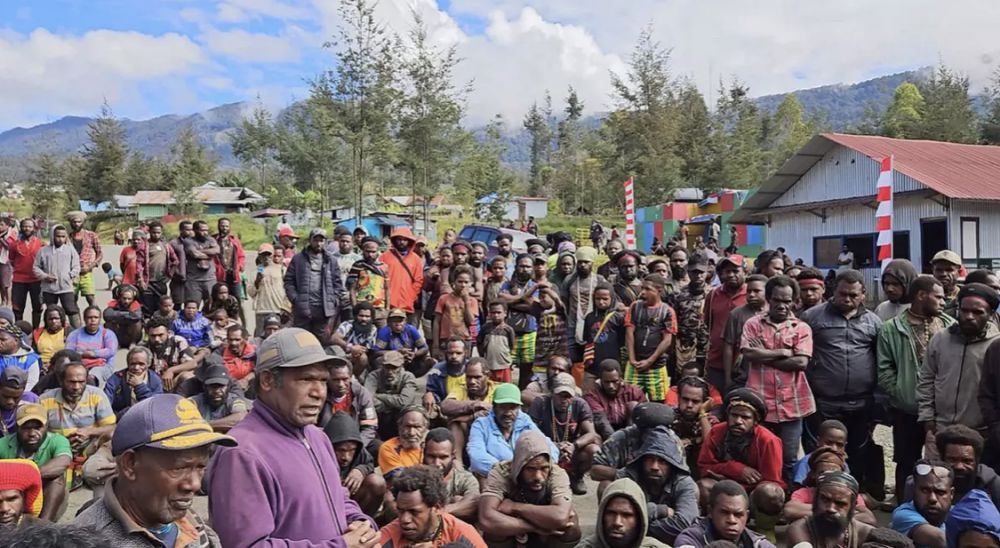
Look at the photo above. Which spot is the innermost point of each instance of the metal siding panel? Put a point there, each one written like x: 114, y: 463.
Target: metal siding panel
x: 835, y: 177
x: 989, y: 222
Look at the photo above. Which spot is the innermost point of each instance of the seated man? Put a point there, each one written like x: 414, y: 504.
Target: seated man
x: 123, y: 315
x: 728, y: 512
x: 80, y: 412
x: 13, y: 392
x: 407, y: 449
x: 493, y: 437
x: 218, y: 404
x: 447, y: 376
x: 345, y: 395
x: 542, y: 386
x: 922, y: 519
x: 611, y: 400
x: 832, y: 522
x: 463, y: 406
x: 51, y: 378
x: 95, y: 343
x: 394, y: 389
x: 832, y: 434
x: 527, y: 501
x: 193, y: 326
x: 974, y: 522
x: 239, y: 356
x: 821, y: 461
x: 49, y: 451
x: 174, y: 360
x: 622, y: 519
x: 742, y: 450
x: 622, y: 447
x: 20, y: 493
x: 423, y: 520
x: 15, y: 351
x: 962, y: 448
x: 406, y: 339
x: 461, y: 487
x: 357, y: 337
x: 135, y: 383
x: 357, y: 466
x: 670, y: 492
x: 696, y: 414
x: 691, y: 369
x: 566, y: 420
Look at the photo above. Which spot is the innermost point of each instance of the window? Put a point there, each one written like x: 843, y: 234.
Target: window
x: 901, y: 245
x: 863, y: 247
x: 826, y: 249
x: 970, y: 238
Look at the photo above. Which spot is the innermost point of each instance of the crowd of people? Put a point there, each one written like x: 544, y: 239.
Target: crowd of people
x: 393, y: 394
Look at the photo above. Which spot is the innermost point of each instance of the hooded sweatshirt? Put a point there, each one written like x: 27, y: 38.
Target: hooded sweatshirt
x: 628, y: 489
x: 502, y: 479
x: 905, y: 272
x: 975, y: 512
x: 342, y: 427
x: 948, y: 385
x: 679, y: 492
x: 61, y: 262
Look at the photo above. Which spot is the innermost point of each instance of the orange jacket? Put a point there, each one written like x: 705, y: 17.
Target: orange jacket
x: 406, y: 273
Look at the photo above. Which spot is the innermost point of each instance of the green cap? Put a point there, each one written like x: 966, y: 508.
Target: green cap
x: 506, y: 393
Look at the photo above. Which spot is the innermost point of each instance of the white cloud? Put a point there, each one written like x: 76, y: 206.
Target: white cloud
x: 235, y: 11
x: 251, y: 47
x: 216, y: 82
x: 43, y: 75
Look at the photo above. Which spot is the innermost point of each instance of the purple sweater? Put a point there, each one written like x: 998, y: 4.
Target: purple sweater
x: 279, y: 488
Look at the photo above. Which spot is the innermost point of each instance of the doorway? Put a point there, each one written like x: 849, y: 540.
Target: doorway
x: 933, y: 238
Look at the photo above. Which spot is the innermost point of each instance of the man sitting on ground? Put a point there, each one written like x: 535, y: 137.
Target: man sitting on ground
x: 566, y: 420
x: 239, y: 356
x: 742, y: 450
x: 423, y: 520
x: 611, y: 400
x: 344, y: 394
x: 527, y: 499
x: 21, y: 489
x: 13, y: 392
x: 696, y: 415
x: 974, y: 522
x: 173, y: 358
x: 474, y: 400
x: 832, y: 434
x: 962, y: 448
x: 461, y: 487
x: 692, y: 369
x: 49, y: 451
x: 622, y: 519
x: 446, y: 376
x: 193, y: 326
x: 405, y: 339
x: 407, y: 449
x: 357, y: 466
x: 394, y: 389
x: 622, y: 447
x: 492, y: 438
x: 728, y: 512
x: 672, y: 495
x: 542, y: 386
x: 357, y: 336
x: 821, y: 461
x: 123, y: 315
x: 218, y: 404
x: 832, y: 522
x: 133, y: 384
x: 922, y: 519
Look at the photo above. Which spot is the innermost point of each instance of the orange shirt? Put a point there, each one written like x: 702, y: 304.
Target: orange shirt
x: 452, y: 530
x: 392, y: 457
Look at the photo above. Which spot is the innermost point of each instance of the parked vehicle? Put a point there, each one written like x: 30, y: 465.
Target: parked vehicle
x: 488, y: 235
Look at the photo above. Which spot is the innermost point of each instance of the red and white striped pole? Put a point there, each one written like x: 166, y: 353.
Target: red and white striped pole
x: 883, y: 216
x: 629, y: 215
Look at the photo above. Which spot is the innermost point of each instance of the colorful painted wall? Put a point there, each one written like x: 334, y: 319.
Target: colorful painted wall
x: 662, y: 221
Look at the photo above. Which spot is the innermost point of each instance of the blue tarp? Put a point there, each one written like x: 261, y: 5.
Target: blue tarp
x: 88, y: 207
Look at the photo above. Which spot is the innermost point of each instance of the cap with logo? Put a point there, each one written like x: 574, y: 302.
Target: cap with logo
x: 317, y: 232
x: 506, y: 393
x: 165, y: 421
x: 290, y: 347
x: 734, y: 259
x: 216, y: 374
x: 947, y: 256
x: 564, y: 383
x: 31, y: 412
x: 14, y: 377
x: 272, y: 320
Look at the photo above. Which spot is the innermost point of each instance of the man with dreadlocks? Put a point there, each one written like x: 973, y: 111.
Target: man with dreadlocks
x: 627, y: 283
x: 741, y: 449
x: 832, y: 523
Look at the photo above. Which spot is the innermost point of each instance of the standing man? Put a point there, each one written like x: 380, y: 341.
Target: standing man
x: 88, y: 246
x: 230, y: 262
x: 406, y: 272
x: 22, y: 256
x: 368, y: 281
x: 689, y: 305
x: 945, y: 266
x: 344, y: 252
x: 284, y: 461
x: 777, y: 348
x: 185, y: 230
x: 312, y: 284
x: 902, y: 345
x: 577, y: 293
x: 58, y: 266
x: 7, y: 237
x: 720, y: 302
x: 155, y: 265
x: 201, y: 250
x: 842, y: 372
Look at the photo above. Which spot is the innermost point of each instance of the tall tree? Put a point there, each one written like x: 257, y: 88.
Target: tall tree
x: 144, y: 173
x: 430, y: 133
x: 192, y: 167
x: 255, y: 142
x: 361, y: 90
x: 694, y: 140
x: 904, y: 116
x: 739, y: 138
x: 948, y: 114
x: 537, y: 125
x: 310, y: 148
x: 105, y: 156
x: 45, y: 186
x: 991, y: 120
x: 788, y: 131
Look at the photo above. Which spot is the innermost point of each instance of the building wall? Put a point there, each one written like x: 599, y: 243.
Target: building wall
x: 988, y: 214
x: 150, y: 211
x: 538, y: 209
x: 842, y: 173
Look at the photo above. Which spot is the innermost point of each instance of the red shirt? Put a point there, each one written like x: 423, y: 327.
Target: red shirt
x: 22, y: 257
x: 786, y: 393
x: 764, y: 456
x: 344, y: 405
x: 240, y: 366
x: 129, y: 260
x: 717, y: 308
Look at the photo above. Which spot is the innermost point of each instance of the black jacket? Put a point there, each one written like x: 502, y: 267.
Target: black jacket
x: 297, y: 285
x: 342, y: 427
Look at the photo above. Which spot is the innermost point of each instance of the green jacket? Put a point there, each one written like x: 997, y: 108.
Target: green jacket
x: 630, y: 490
x: 898, y: 367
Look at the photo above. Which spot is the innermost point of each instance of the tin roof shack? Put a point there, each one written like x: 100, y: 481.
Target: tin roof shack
x: 215, y: 199
x: 946, y: 196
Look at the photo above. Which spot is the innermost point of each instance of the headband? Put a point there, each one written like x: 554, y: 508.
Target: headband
x: 811, y: 282
x: 839, y: 478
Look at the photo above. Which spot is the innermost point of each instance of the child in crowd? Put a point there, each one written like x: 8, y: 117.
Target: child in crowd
x: 455, y: 313
x: 495, y: 341
x: 650, y: 325
x: 832, y: 434
x: 221, y: 322
x: 692, y: 369
x: 114, y: 275
x: 604, y: 334
x: 550, y: 339
x: 496, y: 279
x: 165, y: 312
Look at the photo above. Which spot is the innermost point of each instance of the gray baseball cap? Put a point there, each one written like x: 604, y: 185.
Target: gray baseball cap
x: 290, y: 347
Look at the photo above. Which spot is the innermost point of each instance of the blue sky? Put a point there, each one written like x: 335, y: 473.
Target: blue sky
x: 150, y: 58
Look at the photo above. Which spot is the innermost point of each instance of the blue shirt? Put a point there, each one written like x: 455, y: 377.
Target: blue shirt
x: 197, y: 332
x: 410, y: 338
x: 906, y: 517
x: 801, y: 469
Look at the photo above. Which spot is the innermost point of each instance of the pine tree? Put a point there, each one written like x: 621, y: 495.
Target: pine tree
x: 255, y: 142
x: 947, y: 113
x: 904, y: 117
x: 537, y: 125
x: 191, y: 167
x: 990, y: 125
x: 144, y: 173
x: 739, y: 133
x: 45, y: 186
x: 694, y: 138
x: 105, y: 157
x: 787, y: 132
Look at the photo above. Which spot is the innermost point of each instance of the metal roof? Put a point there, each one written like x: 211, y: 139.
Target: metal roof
x: 207, y: 194
x: 965, y: 172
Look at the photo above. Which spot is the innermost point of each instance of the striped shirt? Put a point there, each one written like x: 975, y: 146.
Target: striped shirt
x: 786, y: 393
x: 92, y: 409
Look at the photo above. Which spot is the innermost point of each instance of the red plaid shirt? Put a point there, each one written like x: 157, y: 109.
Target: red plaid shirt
x: 786, y: 393
x: 91, y: 253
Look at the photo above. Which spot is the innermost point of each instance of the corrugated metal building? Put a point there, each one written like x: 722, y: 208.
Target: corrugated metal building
x: 946, y: 196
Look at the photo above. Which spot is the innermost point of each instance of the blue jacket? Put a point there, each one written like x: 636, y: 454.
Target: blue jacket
x: 487, y: 446
x: 437, y: 380
x: 120, y: 393
x: 198, y: 332
x: 975, y: 512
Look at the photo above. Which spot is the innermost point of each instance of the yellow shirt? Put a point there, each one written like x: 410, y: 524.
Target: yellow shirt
x: 50, y: 343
